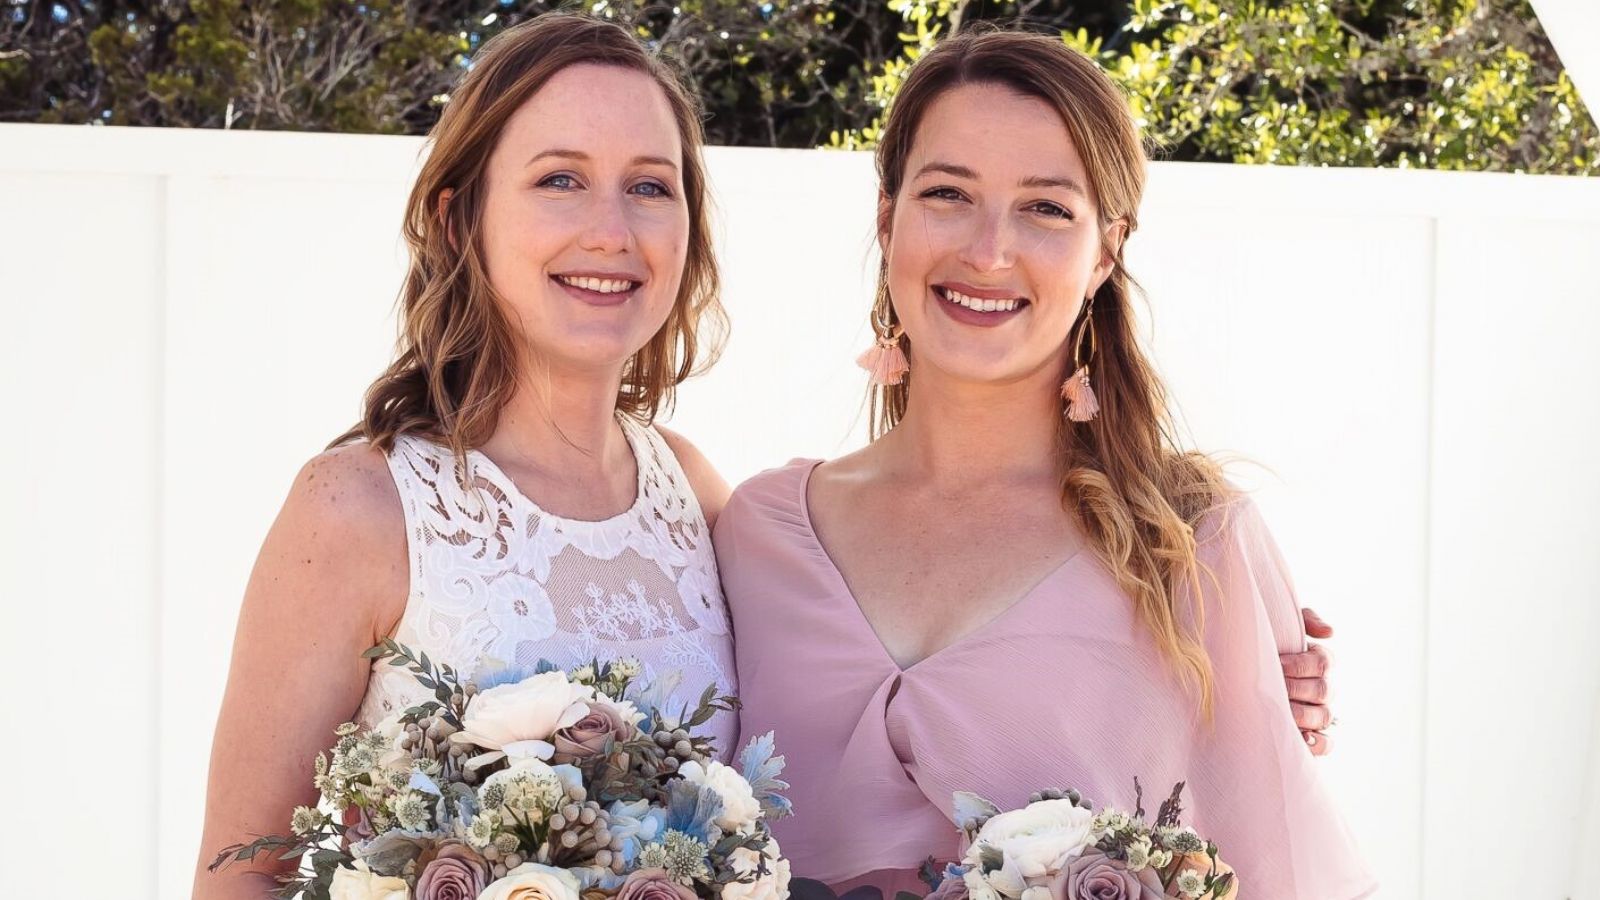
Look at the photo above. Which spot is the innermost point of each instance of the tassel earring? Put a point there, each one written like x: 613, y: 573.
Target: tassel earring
x: 885, y: 361
x: 1082, y: 405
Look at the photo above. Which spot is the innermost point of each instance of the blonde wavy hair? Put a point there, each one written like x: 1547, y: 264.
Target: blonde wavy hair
x: 1137, y: 494
x: 455, y: 366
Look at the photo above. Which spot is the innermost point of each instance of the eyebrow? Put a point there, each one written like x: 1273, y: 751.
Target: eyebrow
x: 1060, y: 181
x: 579, y: 155
x: 1032, y: 181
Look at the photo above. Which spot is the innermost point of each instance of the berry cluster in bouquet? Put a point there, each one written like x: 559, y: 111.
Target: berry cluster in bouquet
x: 1058, y: 848
x: 539, y: 784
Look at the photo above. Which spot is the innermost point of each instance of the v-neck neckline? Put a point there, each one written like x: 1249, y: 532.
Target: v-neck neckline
x: 994, y: 621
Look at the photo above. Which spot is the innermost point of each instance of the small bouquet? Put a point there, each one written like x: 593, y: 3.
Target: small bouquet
x: 1059, y: 848
x: 535, y: 785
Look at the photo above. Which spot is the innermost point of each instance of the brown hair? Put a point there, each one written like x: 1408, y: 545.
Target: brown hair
x: 1137, y: 495
x: 456, y: 363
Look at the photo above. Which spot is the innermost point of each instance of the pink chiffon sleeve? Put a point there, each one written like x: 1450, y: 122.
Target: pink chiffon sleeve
x: 1253, y: 783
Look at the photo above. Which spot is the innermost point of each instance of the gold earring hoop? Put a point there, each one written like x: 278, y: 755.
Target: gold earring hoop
x: 885, y: 361
x: 1082, y: 405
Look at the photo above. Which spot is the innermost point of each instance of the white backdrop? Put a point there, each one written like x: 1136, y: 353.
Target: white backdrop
x: 189, y: 316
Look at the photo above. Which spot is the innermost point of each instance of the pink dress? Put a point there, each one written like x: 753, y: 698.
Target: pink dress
x: 1063, y: 689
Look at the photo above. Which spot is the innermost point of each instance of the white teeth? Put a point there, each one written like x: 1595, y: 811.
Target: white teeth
x: 974, y: 303
x: 598, y: 285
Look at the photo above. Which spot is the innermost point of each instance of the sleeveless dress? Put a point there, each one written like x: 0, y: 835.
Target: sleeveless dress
x: 1065, y: 689
x: 495, y: 580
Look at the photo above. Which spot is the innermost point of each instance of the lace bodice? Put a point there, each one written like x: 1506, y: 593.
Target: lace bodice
x: 495, y: 579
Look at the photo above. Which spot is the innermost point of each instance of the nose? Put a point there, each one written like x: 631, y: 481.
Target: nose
x: 988, y: 248
x: 607, y: 229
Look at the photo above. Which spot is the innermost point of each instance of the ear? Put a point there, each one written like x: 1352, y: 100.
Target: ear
x: 885, y: 215
x: 444, y: 218
x: 1110, y: 244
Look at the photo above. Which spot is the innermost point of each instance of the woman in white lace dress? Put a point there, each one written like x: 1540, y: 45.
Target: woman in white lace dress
x: 504, y: 499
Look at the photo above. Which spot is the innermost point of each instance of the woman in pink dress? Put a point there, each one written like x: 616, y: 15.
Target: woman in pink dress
x: 1023, y: 582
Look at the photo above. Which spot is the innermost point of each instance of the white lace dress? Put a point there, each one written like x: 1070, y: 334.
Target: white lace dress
x: 496, y: 579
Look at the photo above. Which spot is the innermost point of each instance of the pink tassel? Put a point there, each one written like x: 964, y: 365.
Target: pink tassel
x: 1081, y: 402
x: 885, y: 362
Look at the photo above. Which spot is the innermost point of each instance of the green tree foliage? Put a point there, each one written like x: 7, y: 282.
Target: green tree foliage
x: 778, y: 73
x: 1455, y: 84
x: 1446, y: 84
x: 332, y: 65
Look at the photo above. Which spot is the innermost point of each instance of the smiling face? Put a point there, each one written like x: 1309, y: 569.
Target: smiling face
x: 585, y: 227
x: 994, y: 238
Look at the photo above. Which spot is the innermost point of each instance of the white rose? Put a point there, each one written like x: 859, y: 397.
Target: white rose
x: 978, y: 887
x: 392, y: 731
x: 361, y: 883
x: 519, y: 719
x: 740, y: 809
x: 772, y: 886
x: 1038, y: 839
x: 531, y: 881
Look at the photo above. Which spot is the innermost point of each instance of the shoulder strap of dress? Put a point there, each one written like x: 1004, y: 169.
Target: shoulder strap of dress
x: 662, y: 476
x: 416, y: 465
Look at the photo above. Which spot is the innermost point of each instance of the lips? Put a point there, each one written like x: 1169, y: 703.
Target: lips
x: 598, y: 288
x: 600, y: 284
x: 981, y: 300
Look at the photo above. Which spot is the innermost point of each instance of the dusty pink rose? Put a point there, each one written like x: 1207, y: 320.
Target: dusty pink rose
x: 653, y: 884
x: 1095, y: 876
x: 587, y: 737
x: 455, y: 872
x: 951, y: 889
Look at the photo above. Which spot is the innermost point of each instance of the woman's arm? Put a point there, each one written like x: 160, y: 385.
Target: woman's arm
x: 330, y: 581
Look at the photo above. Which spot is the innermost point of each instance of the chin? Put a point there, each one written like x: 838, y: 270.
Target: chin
x: 590, y: 351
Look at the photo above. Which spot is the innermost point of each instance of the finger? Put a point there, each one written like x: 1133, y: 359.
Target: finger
x: 1311, y: 717
x: 1313, y: 663
x: 1317, y: 742
x: 1308, y: 690
x: 1315, y: 626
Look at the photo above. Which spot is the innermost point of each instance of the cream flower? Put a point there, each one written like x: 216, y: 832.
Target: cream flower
x: 740, y: 809
x: 391, y: 731
x: 1190, y: 883
x: 978, y: 887
x: 519, y: 719
x: 1038, y: 839
x: 745, y: 862
x: 773, y: 886
x: 361, y: 883
x: 529, y: 788
x: 531, y: 881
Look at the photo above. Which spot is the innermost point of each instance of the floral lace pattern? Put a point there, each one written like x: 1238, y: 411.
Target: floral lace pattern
x: 496, y: 578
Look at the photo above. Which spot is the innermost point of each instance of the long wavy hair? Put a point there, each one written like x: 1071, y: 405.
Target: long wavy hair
x: 455, y: 366
x: 1135, y: 491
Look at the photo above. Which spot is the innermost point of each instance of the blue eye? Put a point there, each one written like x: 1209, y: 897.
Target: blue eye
x: 942, y: 193
x: 651, y: 189
x: 560, y: 181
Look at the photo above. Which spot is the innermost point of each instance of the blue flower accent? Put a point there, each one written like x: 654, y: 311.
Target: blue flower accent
x: 761, y: 769
x: 649, y: 698
x: 636, y: 828
x: 421, y: 782
x: 693, y: 810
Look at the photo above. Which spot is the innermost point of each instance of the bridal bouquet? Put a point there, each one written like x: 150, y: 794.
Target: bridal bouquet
x: 1059, y: 848
x: 536, y: 785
